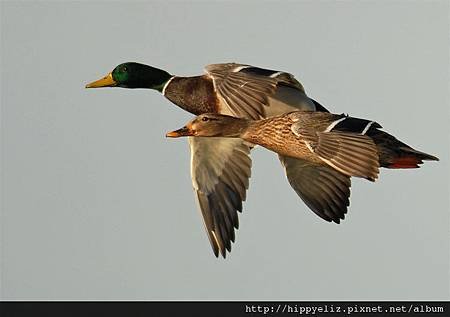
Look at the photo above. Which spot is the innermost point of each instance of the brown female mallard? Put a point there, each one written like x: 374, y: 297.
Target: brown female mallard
x: 331, y: 147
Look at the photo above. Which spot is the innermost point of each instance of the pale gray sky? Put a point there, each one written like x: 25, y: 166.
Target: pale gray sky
x: 98, y: 204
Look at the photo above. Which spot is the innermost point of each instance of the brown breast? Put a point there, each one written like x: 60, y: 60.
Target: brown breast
x: 194, y: 94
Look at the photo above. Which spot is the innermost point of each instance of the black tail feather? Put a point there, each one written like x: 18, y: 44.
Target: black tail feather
x: 396, y: 154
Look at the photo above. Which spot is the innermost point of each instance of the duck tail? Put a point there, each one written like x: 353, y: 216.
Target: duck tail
x: 392, y: 153
x: 396, y: 154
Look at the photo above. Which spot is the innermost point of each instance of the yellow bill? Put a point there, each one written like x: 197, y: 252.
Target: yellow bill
x: 107, y: 81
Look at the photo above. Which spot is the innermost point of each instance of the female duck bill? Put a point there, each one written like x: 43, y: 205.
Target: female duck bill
x: 184, y: 131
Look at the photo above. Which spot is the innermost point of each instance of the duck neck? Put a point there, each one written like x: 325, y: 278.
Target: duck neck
x: 145, y: 76
x: 235, y: 129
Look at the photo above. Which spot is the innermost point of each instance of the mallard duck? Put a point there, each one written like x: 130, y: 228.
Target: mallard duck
x: 220, y: 167
x: 332, y: 147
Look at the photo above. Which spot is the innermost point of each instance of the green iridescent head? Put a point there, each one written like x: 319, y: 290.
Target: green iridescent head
x: 133, y: 75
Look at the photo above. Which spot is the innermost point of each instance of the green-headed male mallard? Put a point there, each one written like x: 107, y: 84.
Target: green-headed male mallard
x: 332, y: 148
x: 220, y: 167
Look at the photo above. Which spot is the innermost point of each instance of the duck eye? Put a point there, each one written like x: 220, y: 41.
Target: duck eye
x: 204, y: 119
x: 124, y: 69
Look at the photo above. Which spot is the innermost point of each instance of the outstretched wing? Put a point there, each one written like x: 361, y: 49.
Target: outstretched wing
x: 220, y: 171
x: 247, y: 91
x: 323, y: 189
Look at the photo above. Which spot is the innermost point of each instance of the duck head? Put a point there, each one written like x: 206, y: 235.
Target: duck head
x: 211, y: 125
x: 133, y: 75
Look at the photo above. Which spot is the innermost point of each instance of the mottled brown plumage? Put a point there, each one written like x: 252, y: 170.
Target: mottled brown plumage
x: 275, y: 134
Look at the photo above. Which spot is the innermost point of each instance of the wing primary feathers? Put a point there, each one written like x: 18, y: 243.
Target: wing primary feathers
x: 220, y: 169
